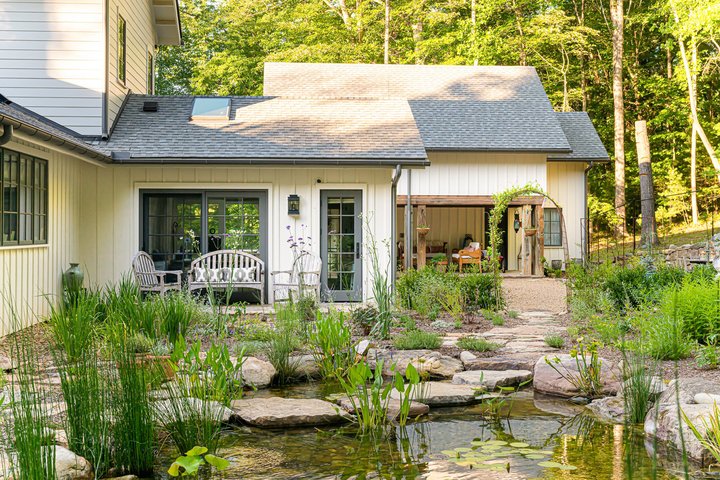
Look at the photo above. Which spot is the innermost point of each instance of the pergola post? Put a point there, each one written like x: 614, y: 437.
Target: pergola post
x: 526, y: 219
x: 539, y: 268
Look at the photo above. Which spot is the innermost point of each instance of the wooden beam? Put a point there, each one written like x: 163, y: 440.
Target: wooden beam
x: 421, y: 241
x: 539, y: 241
x: 464, y: 200
x: 526, y: 218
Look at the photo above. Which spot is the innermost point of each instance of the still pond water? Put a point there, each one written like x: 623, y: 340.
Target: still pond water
x: 543, y: 438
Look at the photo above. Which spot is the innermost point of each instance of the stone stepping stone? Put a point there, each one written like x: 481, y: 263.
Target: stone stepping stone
x: 441, y: 394
x: 416, y: 408
x: 505, y: 362
x: 277, y: 412
x: 490, y: 379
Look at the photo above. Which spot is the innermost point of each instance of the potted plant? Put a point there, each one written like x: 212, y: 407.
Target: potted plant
x: 422, y: 229
x: 149, y: 353
x: 531, y: 231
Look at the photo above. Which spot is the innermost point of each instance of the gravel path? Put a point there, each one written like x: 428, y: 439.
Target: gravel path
x: 535, y: 294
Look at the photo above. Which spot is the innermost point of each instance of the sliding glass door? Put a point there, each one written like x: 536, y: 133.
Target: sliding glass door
x: 180, y: 225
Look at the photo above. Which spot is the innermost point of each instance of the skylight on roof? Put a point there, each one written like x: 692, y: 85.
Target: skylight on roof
x: 211, y: 108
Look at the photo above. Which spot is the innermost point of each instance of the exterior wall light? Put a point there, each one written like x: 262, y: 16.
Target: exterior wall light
x: 293, y: 204
x: 516, y: 223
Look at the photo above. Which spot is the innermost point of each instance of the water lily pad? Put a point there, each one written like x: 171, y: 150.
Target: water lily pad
x: 496, y: 442
x: 519, y: 445
x: 491, y: 448
x: 478, y: 443
x: 450, y: 453
x: 568, y: 467
x: 535, y: 456
x: 463, y: 449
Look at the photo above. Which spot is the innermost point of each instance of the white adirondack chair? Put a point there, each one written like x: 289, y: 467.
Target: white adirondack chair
x: 303, y: 279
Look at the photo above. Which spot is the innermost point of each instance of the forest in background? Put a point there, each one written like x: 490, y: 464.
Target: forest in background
x: 621, y: 61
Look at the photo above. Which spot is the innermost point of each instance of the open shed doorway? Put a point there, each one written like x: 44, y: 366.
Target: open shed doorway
x: 454, y: 222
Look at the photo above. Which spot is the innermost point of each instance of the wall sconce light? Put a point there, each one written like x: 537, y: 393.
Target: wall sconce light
x: 516, y: 223
x: 293, y: 204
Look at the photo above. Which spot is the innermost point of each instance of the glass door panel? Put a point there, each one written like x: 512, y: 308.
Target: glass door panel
x: 172, y: 229
x: 340, y: 244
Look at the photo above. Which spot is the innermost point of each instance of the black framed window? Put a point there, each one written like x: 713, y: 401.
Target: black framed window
x: 121, y: 49
x: 24, y: 205
x: 179, y: 225
x: 553, y: 233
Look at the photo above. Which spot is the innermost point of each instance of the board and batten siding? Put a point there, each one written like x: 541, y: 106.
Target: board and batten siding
x: 51, y: 59
x: 566, y: 185
x: 111, y: 208
x: 140, y: 35
x: 475, y: 173
x: 30, y: 276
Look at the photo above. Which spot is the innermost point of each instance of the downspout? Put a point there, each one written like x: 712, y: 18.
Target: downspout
x: 393, y: 226
x: 586, y: 246
x: 408, y: 224
x: 104, y: 130
x: 7, y: 134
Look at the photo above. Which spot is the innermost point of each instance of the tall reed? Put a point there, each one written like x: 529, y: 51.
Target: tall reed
x: 33, y: 457
x: 639, y: 385
x: 285, y: 339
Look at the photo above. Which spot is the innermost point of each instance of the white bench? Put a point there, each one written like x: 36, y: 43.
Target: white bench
x: 225, y: 269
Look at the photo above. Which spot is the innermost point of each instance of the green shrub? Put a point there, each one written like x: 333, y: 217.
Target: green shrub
x: 708, y: 356
x: 365, y: 318
x: 512, y: 314
x: 73, y: 327
x: 477, y: 344
x: 555, y: 341
x: 494, y: 317
x: 417, y: 340
x: 663, y: 337
x: 478, y: 290
x: 306, y: 307
x: 697, y: 306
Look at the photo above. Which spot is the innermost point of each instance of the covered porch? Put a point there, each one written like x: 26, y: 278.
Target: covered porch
x: 444, y: 227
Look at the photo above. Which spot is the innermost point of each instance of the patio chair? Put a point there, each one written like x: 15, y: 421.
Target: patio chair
x: 151, y: 280
x: 469, y: 256
x: 306, y: 271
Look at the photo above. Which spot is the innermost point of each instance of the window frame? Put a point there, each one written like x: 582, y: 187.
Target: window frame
x: 547, y: 242
x: 35, y: 190
x: 121, y: 50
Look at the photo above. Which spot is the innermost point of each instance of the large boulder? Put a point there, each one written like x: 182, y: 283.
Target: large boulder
x: 427, y: 362
x: 257, y: 373
x: 69, y: 466
x: 277, y: 412
x: 490, y: 379
x: 609, y: 409
x: 547, y: 380
x: 692, y: 396
x: 440, y: 394
x: 305, y: 366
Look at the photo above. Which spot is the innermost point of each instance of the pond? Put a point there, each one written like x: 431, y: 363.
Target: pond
x: 542, y: 438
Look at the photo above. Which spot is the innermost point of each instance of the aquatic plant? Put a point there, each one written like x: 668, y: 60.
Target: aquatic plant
x: 176, y: 311
x: 477, y: 344
x: 190, y: 463
x: 587, y: 359
x: 331, y: 343
x: 381, y: 288
x: 284, y: 341
x: 417, y: 340
x: 711, y: 438
x: 639, y: 386
x: 73, y: 327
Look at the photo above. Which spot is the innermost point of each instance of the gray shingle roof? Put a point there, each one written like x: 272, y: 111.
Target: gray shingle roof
x: 44, y: 129
x: 583, y: 138
x: 269, y: 130
x: 455, y: 107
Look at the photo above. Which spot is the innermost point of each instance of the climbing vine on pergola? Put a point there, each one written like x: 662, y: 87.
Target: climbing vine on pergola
x: 502, y: 201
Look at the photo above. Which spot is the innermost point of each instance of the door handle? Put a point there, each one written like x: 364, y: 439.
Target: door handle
x: 357, y: 249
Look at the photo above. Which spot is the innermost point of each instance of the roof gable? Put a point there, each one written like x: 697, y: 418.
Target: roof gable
x: 269, y: 130
x: 455, y: 107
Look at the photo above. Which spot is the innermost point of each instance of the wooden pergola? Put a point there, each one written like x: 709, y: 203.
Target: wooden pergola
x: 531, y: 220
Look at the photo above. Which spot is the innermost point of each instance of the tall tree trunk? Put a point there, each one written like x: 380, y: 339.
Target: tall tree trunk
x: 616, y: 13
x: 693, y: 143
x: 693, y: 100
x: 387, y: 32
x: 648, y: 233
x: 521, y: 33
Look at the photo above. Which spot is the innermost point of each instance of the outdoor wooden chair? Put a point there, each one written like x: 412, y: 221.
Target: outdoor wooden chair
x: 149, y: 279
x: 302, y: 279
x: 469, y: 256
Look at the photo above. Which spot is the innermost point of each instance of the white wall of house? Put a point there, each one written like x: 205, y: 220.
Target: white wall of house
x: 30, y: 276
x: 52, y: 59
x: 475, y: 173
x: 140, y: 33
x: 111, y: 207
x: 566, y: 185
